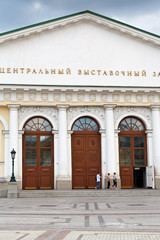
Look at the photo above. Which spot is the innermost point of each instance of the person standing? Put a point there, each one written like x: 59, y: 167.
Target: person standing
x: 98, y: 179
x: 108, y: 181
x: 115, y: 180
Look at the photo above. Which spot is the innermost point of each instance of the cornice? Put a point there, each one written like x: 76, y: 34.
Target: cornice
x: 82, y: 16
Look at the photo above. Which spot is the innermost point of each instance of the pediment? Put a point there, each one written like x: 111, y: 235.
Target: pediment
x: 86, y: 16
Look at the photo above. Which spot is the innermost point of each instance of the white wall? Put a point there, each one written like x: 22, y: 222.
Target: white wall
x: 85, y: 46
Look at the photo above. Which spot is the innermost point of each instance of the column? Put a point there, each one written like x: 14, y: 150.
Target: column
x: 110, y: 140
x: 20, y: 170
x: 63, y: 179
x: 13, y: 138
x: 103, y: 156
x: 7, y: 156
x: 156, y: 143
x: 117, y: 157
x: 55, y: 138
x: 149, y: 147
x: 117, y: 151
x: 69, y: 135
x: 150, y: 168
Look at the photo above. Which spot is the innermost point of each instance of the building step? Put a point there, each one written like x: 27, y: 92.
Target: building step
x: 87, y: 193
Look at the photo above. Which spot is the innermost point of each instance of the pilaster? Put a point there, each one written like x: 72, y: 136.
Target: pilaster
x: 63, y: 178
x: 110, y: 139
x: 13, y: 138
x: 156, y: 142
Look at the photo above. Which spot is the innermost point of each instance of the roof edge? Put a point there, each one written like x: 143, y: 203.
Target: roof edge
x: 76, y: 14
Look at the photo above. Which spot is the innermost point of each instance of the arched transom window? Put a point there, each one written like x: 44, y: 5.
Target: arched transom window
x: 131, y: 123
x: 85, y: 123
x: 38, y: 124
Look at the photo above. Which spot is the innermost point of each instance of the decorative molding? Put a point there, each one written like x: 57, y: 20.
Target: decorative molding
x: 32, y: 96
x: 150, y: 98
x: 127, y: 98
x: 68, y: 97
x: 112, y: 96
x: 44, y: 96
x: 139, y: 98
x: 143, y: 111
x: 20, y: 96
x: 72, y: 112
x: 7, y: 96
x: 23, y: 112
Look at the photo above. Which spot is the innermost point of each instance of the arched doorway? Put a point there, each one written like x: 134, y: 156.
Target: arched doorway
x: 132, y: 153
x: 86, y: 153
x: 38, y: 168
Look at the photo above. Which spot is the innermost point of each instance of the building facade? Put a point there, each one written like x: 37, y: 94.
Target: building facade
x: 80, y: 95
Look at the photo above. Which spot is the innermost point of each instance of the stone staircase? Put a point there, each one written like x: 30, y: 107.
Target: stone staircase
x: 87, y: 193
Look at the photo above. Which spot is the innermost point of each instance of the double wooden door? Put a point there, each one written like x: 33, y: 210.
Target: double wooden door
x: 86, y: 158
x: 38, y: 161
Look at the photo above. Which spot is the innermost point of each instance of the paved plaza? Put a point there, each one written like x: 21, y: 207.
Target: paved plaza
x: 80, y: 218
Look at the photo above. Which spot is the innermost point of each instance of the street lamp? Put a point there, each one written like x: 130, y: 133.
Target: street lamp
x: 13, y: 153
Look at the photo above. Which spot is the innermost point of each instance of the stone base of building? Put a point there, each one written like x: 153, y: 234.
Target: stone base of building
x: 157, y: 182
x: 12, y: 190
x: 64, y: 183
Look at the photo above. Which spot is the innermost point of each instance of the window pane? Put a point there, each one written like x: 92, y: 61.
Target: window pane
x: 30, y: 157
x: 45, y: 155
x: 38, y: 124
x: 138, y: 142
x: 124, y: 141
x: 131, y: 124
x: 85, y: 123
x: 139, y: 157
x: 125, y: 157
x: 45, y: 141
x: 30, y: 141
x: 88, y: 120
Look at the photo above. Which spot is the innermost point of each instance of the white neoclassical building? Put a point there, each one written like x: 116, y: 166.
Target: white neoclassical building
x: 80, y: 95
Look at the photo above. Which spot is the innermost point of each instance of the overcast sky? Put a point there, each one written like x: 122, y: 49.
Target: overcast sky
x: 144, y: 14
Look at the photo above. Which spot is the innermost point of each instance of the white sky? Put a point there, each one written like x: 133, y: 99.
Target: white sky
x: 144, y: 14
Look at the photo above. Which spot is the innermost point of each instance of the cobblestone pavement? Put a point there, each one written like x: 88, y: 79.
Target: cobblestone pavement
x: 80, y: 218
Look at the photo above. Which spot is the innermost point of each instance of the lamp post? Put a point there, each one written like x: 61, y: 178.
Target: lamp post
x: 13, y: 153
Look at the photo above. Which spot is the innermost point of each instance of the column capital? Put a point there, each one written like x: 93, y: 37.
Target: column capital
x: 54, y: 131
x: 20, y: 132
x: 70, y: 132
x: 102, y: 131
x: 109, y: 106
x: 62, y: 107
x: 117, y: 131
x: 155, y: 107
x: 5, y: 131
x: 15, y: 106
x: 149, y: 132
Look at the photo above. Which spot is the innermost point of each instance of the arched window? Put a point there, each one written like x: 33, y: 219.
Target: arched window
x: 131, y: 124
x: 38, y: 123
x: 85, y: 123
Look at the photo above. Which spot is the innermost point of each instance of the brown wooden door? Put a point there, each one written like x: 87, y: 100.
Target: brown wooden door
x: 132, y: 155
x: 37, y: 161
x: 86, y: 158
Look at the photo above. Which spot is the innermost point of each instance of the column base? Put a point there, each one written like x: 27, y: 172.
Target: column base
x: 64, y: 183
x: 12, y: 190
x: 157, y: 182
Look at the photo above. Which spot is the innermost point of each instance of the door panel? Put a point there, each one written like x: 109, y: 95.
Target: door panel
x: 132, y: 154
x: 85, y: 159
x: 38, y: 162
x: 126, y: 162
